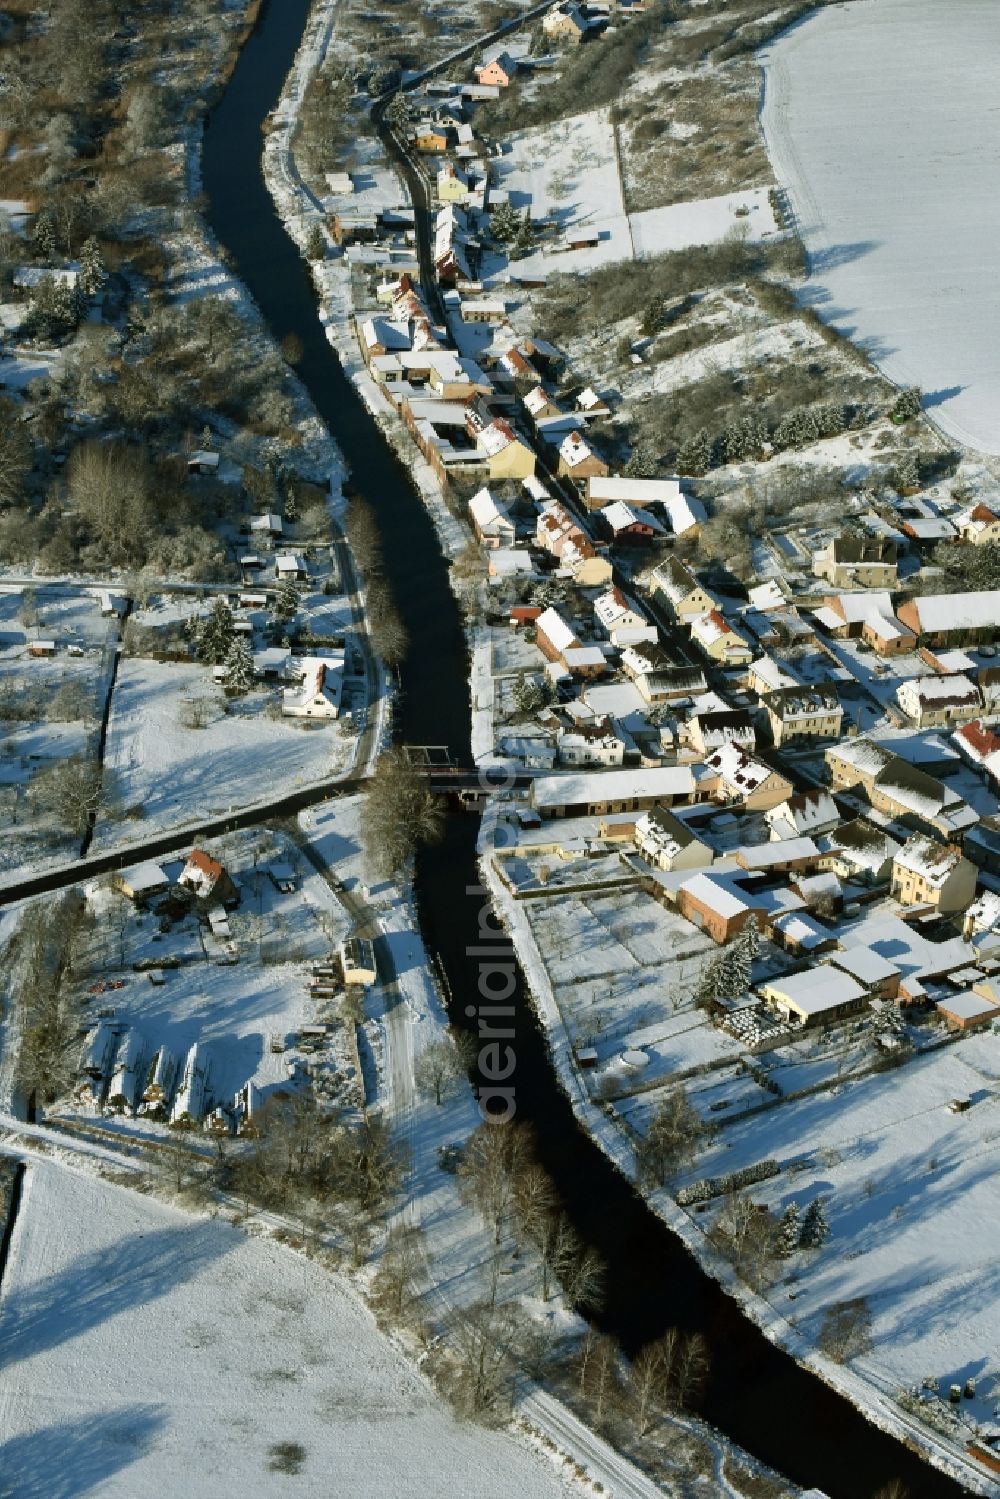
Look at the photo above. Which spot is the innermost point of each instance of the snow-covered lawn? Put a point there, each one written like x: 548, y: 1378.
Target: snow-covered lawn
x: 148, y: 1352
x: 881, y: 120
x: 569, y: 171
x: 176, y: 774
x: 911, y: 1196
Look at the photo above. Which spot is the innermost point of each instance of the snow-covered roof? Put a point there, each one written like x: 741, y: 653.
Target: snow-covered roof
x: 720, y: 893
x: 958, y: 611
x: 855, y: 608
x: 766, y: 855
x: 867, y: 966
x: 605, y: 490
x: 967, y: 1006
x: 486, y: 512
x: 933, y: 861
x: 815, y: 990
x: 954, y: 690
x: 620, y: 517
x: 613, y: 785
x: 685, y: 513
x: 146, y: 876
x: 737, y: 769
x: 574, y: 450
x: 556, y: 630
x: 767, y: 596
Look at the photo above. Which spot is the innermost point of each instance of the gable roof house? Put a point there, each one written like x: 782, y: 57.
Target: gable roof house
x: 681, y: 589
x: 659, y: 677
x: 803, y: 814
x: 818, y: 996
x: 577, y: 459
x: 844, y: 614
x: 207, y: 879
x: 668, y: 843
x: 859, y: 851
x: 978, y: 525
x: 493, y: 527
x: 610, y: 791
x: 734, y: 775
x: 938, y: 700
x: 507, y: 456
x: 320, y: 692
x: 719, y: 640
x: 621, y: 620
x: 925, y: 872
x: 718, y: 903
x: 623, y: 523
x: 566, y: 23
x: 804, y: 712
x: 593, y: 743
x: 498, y: 70
x: 858, y: 562
x: 559, y: 643
x: 905, y: 792
x: 710, y: 731
x: 558, y: 534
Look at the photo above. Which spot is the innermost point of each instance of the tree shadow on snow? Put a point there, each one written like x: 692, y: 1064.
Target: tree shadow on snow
x: 103, y: 1284
x: 76, y: 1458
x: 938, y: 397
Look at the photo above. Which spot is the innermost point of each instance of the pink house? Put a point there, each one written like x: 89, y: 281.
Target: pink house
x: 498, y: 71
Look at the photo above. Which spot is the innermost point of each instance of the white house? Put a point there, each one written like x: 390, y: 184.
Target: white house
x: 320, y: 691
x: 493, y: 526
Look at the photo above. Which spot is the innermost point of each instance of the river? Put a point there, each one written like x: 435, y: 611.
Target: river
x: 756, y: 1394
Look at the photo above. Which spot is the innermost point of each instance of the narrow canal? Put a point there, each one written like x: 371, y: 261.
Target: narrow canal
x: 757, y: 1395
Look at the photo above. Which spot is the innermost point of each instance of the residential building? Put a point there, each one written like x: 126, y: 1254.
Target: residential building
x: 566, y: 23
x: 928, y: 873
x: 320, y: 692
x: 659, y: 677
x: 805, y: 813
x: 623, y: 523
x: 733, y: 775
x: 680, y: 588
x: 768, y: 675
x: 207, y: 879
x: 668, y: 843
x: 804, y: 713
x: 141, y: 882
x: 969, y: 1011
x: 596, y: 742
x: 886, y: 636
x: 578, y: 460
x: 357, y: 959
x: 789, y: 856
x: 844, y: 615
x: 979, y: 525
x: 859, y: 851
x: 507, y: 456
x: 709, y: 731
x: 903, y: 791
x: 493, y: 527
x: 858, y: 562
x: 498, y: 71
x: 933, y: 701
x: 719, y: 640
x: 452, y: 185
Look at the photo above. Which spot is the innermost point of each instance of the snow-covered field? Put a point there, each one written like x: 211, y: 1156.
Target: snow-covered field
x: 881, y: 120
x: 143, y: 1347
x: 177, y: 774
x: 569, y: 171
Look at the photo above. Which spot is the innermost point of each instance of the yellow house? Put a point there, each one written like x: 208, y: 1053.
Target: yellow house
x: 430, y: 139
x: 679, y: 586
x: 452, y: 186
x: 507, y: 457
x: 803, y: 713
x: 926, y: 872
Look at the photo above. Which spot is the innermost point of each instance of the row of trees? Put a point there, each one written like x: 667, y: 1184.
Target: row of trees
x: 40, y: 964
x: 388, y: 633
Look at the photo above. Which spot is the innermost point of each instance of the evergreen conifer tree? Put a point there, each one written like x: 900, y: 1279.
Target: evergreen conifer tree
x: 815, y: 1229
x: 286, y: 601
x: 45, y: 235
x: 695, y: 455
x: 641, y: 463
x: 213, y: 635
x: 789, y: 1231
x: 239, y: 668
x: 92, y: 272
x: 503, y: 223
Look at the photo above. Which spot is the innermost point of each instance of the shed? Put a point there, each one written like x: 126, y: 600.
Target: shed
x: 141, y: 882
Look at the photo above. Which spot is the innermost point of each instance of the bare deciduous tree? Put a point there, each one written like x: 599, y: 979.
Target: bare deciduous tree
x: 400, y: 812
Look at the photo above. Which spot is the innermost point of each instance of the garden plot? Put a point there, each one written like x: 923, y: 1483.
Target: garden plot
x: 176, y: 774
x: 568, y: 172
x: 141, y: 1341
x: 880, y: 118
x: 911, y: 1194
x: 245, y: 1013
x: 624, y: 972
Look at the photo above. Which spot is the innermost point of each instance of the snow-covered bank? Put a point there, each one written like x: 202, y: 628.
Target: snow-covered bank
x: 867, y: 1388
x: 880, y: 119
